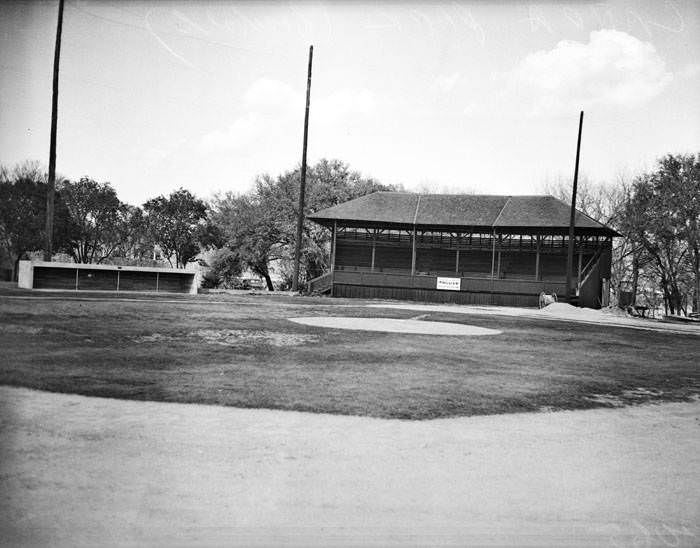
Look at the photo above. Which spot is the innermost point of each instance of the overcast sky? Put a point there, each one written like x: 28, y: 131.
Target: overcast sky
x: 443, y: 96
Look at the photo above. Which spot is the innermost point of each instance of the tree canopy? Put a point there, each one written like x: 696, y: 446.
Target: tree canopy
x: 658, y: 213
x: 261, y: 224
x: 175, y: 223
x: 96, y: 217
x: 22, y: 213
x: 662, y: 218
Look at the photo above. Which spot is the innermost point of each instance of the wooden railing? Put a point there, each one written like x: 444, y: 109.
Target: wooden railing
x: 320, y: 285
x: 475, y: 285
x: 548, y: 243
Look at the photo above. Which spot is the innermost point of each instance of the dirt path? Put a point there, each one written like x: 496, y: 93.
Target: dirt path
x: 557, y: 311
x: 91, y: 471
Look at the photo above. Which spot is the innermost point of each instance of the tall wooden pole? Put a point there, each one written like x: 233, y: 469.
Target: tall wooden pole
x: 302, y: 187
x: 572, y: 220
x: 48, y: 252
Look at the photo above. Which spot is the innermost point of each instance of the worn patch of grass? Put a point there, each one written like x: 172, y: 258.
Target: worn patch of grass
x: 242, y: 351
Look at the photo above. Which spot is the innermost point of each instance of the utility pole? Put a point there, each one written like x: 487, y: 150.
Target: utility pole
x: 48, y: 252
x: 572, y: 220
x: 302, y: 188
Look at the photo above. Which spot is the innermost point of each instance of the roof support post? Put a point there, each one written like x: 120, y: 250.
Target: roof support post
x: 413, y: 253
x: 493, y: 255
x: 333, y: 245
x: 457, y: 262
x: 374, y: 248
x: 537, y: 259
x: 415, y: 223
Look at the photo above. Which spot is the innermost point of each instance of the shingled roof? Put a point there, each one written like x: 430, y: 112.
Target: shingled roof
x: 470, y: 211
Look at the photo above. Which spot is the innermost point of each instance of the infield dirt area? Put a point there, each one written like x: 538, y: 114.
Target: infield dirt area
x: 102, y: 472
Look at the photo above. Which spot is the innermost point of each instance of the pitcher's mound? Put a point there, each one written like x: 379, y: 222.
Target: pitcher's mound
x: 390, y: 325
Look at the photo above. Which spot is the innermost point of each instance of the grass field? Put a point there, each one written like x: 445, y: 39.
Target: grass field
x: 243, y: 351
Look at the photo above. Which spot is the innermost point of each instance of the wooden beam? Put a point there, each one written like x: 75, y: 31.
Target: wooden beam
x: 413, y: 253
x: 415, y: 234
x: 48, y: 251
x: 572, y: 219
x: 302, y: 186
x: 580, y: 263
x: 493, y: 255
x: 333, y: 245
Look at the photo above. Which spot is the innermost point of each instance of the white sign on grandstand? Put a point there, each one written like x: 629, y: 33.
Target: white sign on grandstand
x: 450, y: 284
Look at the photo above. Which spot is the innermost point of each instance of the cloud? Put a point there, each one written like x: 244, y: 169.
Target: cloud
x: 471, y: 108
x: 690, y: 71
x: 153, y: 156
x: 271, y: 110
x: 445, y: 83
x: 243, y: 131
x: 343, y: 105
x: 614, y: 69
x: 272, y: 95
x: 266, y: 107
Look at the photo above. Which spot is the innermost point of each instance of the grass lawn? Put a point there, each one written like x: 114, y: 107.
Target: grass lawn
x: 243, y: 351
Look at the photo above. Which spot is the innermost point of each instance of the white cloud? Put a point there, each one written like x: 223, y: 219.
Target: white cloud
x: 153, y: 156
x: 690, y: 71
x: 471, y: 108
x: 343, y: 105
x: 613, y: 69
x: 267, y: 106
x: 272, y: 95
x: 271, y: 110
x: 244, y: 130
x: 445, y: 83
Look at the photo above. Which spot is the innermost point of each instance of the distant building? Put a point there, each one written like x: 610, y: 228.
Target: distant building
x: 471, y: 249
